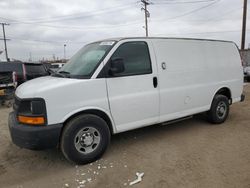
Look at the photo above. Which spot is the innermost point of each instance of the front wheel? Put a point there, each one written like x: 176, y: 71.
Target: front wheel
x: 219, y: 110
x: 85, y: 138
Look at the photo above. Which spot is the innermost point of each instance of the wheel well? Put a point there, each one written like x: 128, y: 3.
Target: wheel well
x: 226, y: 92
x: 99, y: 113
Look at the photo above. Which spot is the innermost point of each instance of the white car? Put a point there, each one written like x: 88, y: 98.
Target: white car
x: 116, y: 85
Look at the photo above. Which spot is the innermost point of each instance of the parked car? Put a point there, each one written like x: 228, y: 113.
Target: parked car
x: 24, y: 71
x: 117, y: 85
x: 247, y: 73
x: 56, y: 66
x: 7, y: 87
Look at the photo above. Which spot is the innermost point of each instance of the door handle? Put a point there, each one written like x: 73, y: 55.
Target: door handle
x: 155, y: 81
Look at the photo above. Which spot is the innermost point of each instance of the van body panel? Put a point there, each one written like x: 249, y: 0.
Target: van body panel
x: 87, y: 108
x: 189, y: 73
x: 64, y: 96
x: 195, y: 71
x: 133, y: 100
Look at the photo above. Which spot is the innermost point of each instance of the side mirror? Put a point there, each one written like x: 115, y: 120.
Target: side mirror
x: 116, y: 66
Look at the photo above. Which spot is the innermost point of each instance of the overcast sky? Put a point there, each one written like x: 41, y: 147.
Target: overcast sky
x: 41, y: 28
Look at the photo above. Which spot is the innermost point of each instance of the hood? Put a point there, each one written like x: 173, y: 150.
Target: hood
x: 37, y: 86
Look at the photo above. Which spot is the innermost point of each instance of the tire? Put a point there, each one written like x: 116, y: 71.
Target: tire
x: 219, y: 110
x: 84, y: 139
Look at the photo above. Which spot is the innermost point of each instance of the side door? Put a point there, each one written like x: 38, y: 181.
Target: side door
x: 133, y: 94
x: 183, y: 82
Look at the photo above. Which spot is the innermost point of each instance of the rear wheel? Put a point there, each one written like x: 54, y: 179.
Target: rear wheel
x: 219, y: 110
x: 85, y: 138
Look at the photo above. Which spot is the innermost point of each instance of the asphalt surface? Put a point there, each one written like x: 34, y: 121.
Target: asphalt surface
x: 191, y: 153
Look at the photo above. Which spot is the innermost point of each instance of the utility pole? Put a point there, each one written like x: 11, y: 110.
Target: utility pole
x: 30, y: 59
x: 64, y: 51
x: 243, y: 36
x: 4, y: 39
x: 145, y: 3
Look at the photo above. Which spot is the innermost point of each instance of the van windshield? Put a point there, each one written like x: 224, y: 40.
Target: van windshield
x: 86, y: 60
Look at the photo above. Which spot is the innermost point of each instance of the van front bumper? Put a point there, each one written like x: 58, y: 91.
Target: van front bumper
x: 34, y: 137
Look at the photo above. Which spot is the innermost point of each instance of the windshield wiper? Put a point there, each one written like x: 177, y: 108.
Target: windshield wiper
x: 64, y: 72
x: 56, y: 74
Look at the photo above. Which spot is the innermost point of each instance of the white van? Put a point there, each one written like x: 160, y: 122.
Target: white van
x: 117, y: 85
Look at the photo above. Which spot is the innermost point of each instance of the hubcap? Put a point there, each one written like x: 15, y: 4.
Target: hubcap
x: 87, y: 140
x: 221, y: 109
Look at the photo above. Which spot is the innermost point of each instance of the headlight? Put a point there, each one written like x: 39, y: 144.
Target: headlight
x: 31, y: 111
x: 37, y: 107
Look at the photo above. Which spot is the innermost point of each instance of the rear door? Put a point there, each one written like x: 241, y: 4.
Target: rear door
x: 133, y: 94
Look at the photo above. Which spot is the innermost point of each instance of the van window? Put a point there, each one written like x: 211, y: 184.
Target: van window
x: 84, y: 62
x: 136, y: 58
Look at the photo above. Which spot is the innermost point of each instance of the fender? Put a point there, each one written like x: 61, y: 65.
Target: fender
x: 81, y: 110
x: 216, y: 91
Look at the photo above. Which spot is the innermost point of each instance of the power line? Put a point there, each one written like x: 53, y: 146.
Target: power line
x: 195, y: 10
x: 222, y: 15
x: 203, y: 21
x: 181, y: 2
x: 59, y: 43
x: 82, y: 28
x: 105, y: 10
x: 104, y: 27
x: 14, y: 21
x: 39, y: 41
x: 209, y: 32
x: 147, y: 14
x: 189, y: 12
x: 72, y: 16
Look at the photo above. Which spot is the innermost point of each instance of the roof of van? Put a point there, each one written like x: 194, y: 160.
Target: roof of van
x: 124, y: 38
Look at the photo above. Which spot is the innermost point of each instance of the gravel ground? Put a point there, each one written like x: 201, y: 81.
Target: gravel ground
x: 191, y: 153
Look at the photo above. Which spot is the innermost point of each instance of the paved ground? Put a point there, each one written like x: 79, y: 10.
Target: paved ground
x: 192, y: 153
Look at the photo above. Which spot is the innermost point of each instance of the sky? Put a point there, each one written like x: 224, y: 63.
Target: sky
x: 40, y: 29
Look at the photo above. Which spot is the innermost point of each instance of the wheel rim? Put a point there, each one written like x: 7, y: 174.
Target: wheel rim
x: 87, y: 140
x: 221, y: 110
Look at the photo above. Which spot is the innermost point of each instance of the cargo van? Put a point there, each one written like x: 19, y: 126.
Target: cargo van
x: 116, y: 85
